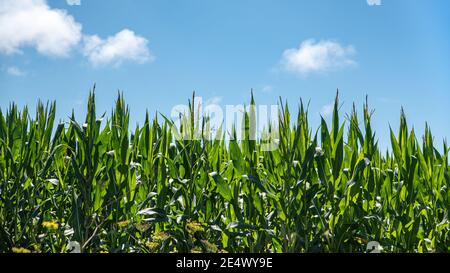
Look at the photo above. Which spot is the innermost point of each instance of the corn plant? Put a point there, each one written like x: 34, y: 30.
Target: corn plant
x: 167, y: 187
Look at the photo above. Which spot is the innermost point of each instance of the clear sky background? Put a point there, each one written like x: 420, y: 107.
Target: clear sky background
x: 158, y: 52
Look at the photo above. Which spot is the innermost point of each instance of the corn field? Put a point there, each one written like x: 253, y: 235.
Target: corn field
x: 106, y: 187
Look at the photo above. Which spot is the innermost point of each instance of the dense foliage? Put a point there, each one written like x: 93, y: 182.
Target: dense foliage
x: 112, y: 188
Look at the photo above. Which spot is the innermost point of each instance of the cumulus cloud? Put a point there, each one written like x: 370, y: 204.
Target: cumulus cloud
x: 374, y: 2
x: 320, y: 56
x: 54, y: 32
x: 124, y: 46
x: 33, y: 23
x: 73, y: 2
x: 15, y: 71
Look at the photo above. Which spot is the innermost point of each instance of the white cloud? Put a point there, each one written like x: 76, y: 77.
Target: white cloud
x: 54, y: 32
x: 73, y: 2
x: 374, y: 2
x: 15, y: 71
x: 327, y: 110
x: 322, y: 56
x: 124, y: 46
x: 33, y: 23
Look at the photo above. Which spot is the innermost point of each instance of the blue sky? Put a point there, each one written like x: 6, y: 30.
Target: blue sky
x: 158, y: 52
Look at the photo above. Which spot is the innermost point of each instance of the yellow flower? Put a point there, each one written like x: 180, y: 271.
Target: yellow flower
x: 196, y: 250
x: 50, y: 225
x: 193, y: 227
x: 20, y: 250
x: 142, y: 227
x: 153, y: 246
x: 161, y: 237
x: 123, y: 223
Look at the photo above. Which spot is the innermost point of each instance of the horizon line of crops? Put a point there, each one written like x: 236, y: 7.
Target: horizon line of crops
x: 110, y: 188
